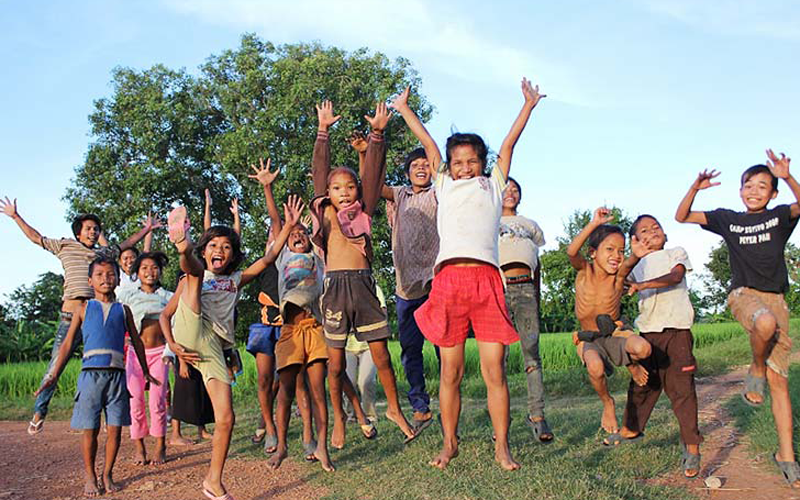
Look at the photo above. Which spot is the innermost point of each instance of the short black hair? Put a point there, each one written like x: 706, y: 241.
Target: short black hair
x: 77, y: 223
x: 760, y: 169
x: 159, y: 258
x: 635, y: 225
x: 104, y: 259
x: 413, y: 155
x: 602, y: 232
x: 474, y: 140
x: 519, y: 188
x: 130, y: 249
x: 233, y: 237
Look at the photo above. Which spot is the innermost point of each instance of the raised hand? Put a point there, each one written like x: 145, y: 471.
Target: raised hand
x: 307, y: 221
x: 292, y: 210
x: 358, y: 141
x: 235, y: 207
x: 400, y: 102
x: 208, y: 197
x: 531, y: 93
x: 381, y: 118
x: 602, y: 215
x: 778, y: 166
x: 263, y: 174
x: 325, y: 115
x: 704, y: 179
x: 151, y: 222
x: 638, y: 248
x: 9, y: 207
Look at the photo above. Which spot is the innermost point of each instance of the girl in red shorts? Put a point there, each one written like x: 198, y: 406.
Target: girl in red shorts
x: 467, y: 289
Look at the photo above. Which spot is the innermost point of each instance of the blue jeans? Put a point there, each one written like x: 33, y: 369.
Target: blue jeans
x: 44, y: 397
x: 524, y: 311
x: 411, y: 342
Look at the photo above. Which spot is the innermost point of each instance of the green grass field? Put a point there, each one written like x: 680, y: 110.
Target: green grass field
x: 575, y: 466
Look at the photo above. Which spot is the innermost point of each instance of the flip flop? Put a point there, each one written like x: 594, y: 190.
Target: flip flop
x: 270, y: 444
x: 310, y: 449
x: 35, y: 428
x: 539, y: 429
x: 756, y: 385
x: 615, y: 439
x: 790, y: 470
x: 258, y: 437
x: 178, y: 224
x: 210, y: 494
x: 422, y: 424
x: 690, y: 461
x: 369, y: 430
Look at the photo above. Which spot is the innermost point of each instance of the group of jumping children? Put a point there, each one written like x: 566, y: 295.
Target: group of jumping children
x: 464, y: 261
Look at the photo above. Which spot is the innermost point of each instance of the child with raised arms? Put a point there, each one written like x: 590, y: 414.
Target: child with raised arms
x: 756, y: 240
x: 599, y: 286
x: 342, y: 211
x: 204, y: 317
x: 467, y: 289
x: 665, y: 320
x: 75, y: 256
x: 101, y: 383
x: 146, y: 298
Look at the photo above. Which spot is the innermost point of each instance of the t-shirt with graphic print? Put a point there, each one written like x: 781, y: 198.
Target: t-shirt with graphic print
x: 520, y: 240
x: 756, y: 243
x: 218, y: 298
x: 300, y: 280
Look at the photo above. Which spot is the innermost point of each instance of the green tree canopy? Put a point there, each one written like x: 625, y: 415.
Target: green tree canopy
x: 39, y: 301
x: 163, y: 136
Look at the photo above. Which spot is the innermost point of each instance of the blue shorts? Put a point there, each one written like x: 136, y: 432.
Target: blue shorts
x: 262, y: 339
x: 101, y: 391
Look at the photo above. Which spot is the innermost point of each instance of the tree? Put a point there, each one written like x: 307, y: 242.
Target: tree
x: 40, y: 301
x: 558, y: 276
x: 165, y: 136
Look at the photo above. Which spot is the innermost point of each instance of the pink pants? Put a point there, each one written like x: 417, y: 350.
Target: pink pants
x: 158, y: 393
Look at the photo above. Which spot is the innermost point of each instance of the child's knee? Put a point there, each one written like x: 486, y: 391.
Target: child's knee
x: 595, y: 367
x: 451, y: 375
x: 225, y: 420
x: 265, y: 382
x: 765, y: 324
x: 638, y: 347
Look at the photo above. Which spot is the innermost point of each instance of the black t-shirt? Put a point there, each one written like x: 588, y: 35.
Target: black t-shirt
x: 756, y: 243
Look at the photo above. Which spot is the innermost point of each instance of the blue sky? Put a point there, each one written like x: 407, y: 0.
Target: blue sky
x: 642, y: 94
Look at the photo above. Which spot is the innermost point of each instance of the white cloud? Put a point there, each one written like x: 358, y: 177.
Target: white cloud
x: 768, y: 18
x: 435, y: 36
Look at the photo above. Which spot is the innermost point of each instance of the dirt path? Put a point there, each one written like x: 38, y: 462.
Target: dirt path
x: 725, y: 451
x: 47, y: 467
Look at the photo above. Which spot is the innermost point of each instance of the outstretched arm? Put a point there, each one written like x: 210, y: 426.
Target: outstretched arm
x: 321, y: 158
x: 780, y: 169
x: 532, y: 97
x: 237, y: 221
x: 601, y: 216
x: 148, y: 239
x: 684, y: 212
x: 292, y: 210
x: 10, y: 208
x: 148, y: 226
x: 375, y: 159
x: 400, y: 104
x: 265, y: 177
x: 207, y: 211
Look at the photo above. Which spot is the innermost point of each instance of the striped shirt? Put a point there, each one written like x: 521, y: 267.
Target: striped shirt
x: 75, y: 258
x: 415, y: 241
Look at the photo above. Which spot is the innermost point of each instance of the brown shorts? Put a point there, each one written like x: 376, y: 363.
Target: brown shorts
x: 300, y: 344
x: 747, y: 304
x: 351, y: 305
x: 611, y: 350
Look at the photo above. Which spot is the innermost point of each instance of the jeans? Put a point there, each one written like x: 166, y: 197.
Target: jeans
x: 524, y: 311
x: 411, y: 342
x: 44, y: 397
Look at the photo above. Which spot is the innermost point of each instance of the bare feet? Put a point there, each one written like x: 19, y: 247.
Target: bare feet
x: 638, y: 373
x: 203, y: 434
x: 443, y: 458
x: 502, y: 456
x: 338, y: 434
x: 180, y: 441
x: 91, y: 488
x: 277, y: 458
x: 140, y: 456
x: 609, y: 419
x: 160, y: 453
x: 110, y: 485
x: 321, y: 454
x: 400, y: 420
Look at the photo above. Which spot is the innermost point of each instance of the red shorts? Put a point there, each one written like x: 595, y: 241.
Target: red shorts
x: 462, y: 297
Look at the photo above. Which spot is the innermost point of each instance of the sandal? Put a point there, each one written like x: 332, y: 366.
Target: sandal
x: 616, y: 439
x: 310, y: 449
x: 790, y: 470
x: 369, y: 430
x: 210, y: 494
x: 420, y: 424
x: 541, y: 431
x: 270, y: 444
x: 755, y: 385
x: 258, y: 437
x: 690, y: 461
x: 178, y: 225
x: 35, y: 428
